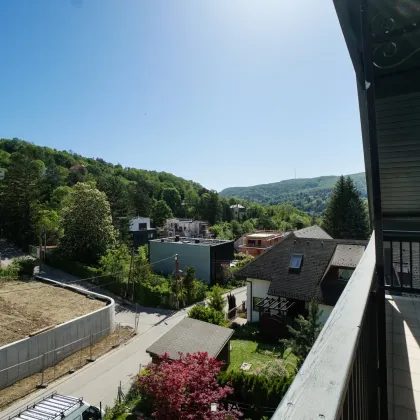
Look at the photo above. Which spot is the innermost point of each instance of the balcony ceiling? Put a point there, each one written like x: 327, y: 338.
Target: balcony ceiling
x: 395, y: 43
x: 395, y: 34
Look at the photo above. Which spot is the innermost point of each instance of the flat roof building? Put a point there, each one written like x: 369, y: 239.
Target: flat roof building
x: 206, y: 255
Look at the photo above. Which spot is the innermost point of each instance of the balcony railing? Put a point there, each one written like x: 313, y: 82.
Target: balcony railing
x: 339, y: 378
x: 254, y: 246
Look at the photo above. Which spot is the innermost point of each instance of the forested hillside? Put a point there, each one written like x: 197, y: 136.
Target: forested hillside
x: 307, y: 194
x: 38, y: 181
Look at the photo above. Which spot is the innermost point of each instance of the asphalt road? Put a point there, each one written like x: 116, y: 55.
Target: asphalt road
x: 98, y: 382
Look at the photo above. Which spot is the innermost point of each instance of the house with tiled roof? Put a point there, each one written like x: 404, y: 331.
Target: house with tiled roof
x: 282, y: 281
x: 314, y: 232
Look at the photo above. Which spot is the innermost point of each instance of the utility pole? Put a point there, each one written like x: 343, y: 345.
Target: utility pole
x: 129, y: 272
x: 44, y: 232
x: 132, y: 273
x: 177, y: 279
x: 40, y: 253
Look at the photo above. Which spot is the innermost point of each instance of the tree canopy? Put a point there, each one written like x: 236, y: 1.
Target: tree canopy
x: 303, y: 337
x: 39, y: 179
x: 185, y: 388
x: 307, y: 194
x: 87, y: 224
x: 161, y: 212
x: 345, y: 216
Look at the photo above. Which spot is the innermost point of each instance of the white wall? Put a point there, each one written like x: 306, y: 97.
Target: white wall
x: 326, y: 311
x: 134, y: 223
x: 259, y: 289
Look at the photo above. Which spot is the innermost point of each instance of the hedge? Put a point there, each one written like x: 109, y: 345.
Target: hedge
x: 144, y: 294
x: 256, y: 389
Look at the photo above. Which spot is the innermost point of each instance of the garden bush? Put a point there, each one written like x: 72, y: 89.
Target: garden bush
x: 256, y: 389
x: 205, y: 314
x: 24, y: 265
x: 9, y: 272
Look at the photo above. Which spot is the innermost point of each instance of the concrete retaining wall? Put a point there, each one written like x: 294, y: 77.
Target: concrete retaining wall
x: 28, y: 356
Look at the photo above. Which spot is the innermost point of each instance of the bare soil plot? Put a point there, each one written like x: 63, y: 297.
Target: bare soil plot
x: 28, y: 306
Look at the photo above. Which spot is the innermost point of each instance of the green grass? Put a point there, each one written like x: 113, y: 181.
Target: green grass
x: 258, y: 354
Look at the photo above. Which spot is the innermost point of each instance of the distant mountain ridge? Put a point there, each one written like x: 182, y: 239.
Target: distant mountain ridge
x: 308, y: 194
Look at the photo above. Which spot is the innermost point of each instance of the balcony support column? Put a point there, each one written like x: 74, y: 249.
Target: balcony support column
x: 376, y: 210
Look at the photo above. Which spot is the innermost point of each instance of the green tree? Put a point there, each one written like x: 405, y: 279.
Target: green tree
x: 236, y: 228
x: 161, y: 211
x: 172, y: 198
x: 248, y: 226
x: 48, y: 223
x: 115, y: 261
x: 87, y: 224
x: 211, y: 209
x: 216, y: 299
x: 58, y: 197
x: 192, y: 203
x: 207, y: 315
x: 118, y: 194
x: 142, y: 269
x: 345, y: 216
x: 142, y: 195
x: 20, y: 192
x: 189, y: 282
x: 304, y: 336
x: 222, y: 230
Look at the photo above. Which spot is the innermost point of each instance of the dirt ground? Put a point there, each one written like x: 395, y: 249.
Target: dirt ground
x: 28, y: 306
x: 77, y: 360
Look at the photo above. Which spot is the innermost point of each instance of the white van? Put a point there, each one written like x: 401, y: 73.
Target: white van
x: 59, y: 407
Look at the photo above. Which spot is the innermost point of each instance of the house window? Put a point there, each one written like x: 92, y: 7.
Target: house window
x: 296, y: 261
x: 150, y: 235
x: 344, y: 274
x: 142, y: 226
x: 255, y: 302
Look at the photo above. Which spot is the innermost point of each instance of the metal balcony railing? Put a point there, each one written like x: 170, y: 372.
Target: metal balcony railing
x: 339, y: 378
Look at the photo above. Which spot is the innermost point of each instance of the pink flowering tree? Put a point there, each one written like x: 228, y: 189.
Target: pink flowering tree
x: 186, y: 388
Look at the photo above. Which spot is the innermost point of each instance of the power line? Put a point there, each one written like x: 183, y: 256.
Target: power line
x: 59, y: 283
x: 80, y: 280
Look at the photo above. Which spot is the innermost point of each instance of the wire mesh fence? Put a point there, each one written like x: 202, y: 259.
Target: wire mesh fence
x: 57, y: 362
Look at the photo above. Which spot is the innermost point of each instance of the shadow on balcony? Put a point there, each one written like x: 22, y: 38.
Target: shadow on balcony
x: 403, y: 357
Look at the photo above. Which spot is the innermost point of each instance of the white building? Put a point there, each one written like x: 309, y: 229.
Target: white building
x: 139, y: 223
x: 186, y: 228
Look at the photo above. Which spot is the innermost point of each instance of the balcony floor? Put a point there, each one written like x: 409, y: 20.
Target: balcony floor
x: 403, y: 357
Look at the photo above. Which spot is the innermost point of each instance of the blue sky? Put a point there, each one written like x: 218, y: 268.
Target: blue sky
x: 224, y: 92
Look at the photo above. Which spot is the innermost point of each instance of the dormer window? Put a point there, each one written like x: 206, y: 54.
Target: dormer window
x: 296, y: 262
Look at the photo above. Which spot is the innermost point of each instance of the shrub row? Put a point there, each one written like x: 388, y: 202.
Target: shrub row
x: 256, y: 389
x: 156, y: 291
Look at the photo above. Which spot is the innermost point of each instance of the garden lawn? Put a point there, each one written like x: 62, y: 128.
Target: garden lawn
x: 258, y: 354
